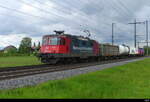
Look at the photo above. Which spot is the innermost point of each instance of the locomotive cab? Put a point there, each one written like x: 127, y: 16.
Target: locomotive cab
x: 54, y: 47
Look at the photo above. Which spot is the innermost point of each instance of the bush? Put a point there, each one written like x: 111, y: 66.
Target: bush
x: 145, y: 49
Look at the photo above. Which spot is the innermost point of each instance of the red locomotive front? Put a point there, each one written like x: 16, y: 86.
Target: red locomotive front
x: 55, y: 45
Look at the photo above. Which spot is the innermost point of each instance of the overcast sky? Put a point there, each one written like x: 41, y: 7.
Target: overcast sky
x: 35, y: 18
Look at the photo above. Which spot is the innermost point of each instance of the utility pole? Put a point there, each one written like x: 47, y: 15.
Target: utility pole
x: 138, y: 44
x: 135, y: 35
x: 113, y: 33
x: 147, y: 36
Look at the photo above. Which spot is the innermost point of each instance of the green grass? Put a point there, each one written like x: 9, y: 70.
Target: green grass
x: 128, y: 81
x: 18, y: 61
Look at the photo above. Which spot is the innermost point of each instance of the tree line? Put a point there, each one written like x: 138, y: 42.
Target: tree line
x: 25, y: 48
x: 145, y: 49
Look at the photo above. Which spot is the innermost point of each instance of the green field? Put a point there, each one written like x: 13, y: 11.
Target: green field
x: 128, y: 81
x: 18, y: 61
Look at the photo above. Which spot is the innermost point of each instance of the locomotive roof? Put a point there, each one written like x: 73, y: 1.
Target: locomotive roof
x: 68, y: 35
x: 53, y: 35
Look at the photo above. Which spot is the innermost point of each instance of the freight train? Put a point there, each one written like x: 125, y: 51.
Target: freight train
x: 68, y: 48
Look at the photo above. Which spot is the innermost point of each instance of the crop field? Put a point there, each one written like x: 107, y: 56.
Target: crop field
x: 127, y: 81
x: 18, y: 61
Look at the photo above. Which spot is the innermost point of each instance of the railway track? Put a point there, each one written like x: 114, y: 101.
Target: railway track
x: 16, y: 72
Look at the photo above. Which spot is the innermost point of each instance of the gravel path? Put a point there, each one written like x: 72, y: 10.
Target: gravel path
x: 36, y: 79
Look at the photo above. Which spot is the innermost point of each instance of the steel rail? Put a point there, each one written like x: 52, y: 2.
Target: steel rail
x: 17, y: 73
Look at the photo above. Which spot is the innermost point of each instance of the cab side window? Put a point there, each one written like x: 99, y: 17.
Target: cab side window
x: 62, y: 41
x: 91, y: 44
x: 76, y: 42
x: 45, y: 40
x: 84, y: 43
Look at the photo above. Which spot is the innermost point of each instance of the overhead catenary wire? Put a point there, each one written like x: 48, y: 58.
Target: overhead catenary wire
x: 17, y: 18
x: 82, y: 16
x: 24, y: 13
x: 65, y: 6
x: 27, y: 14
x: 116, y: 9
x: 73, y: 8
x: 122, y: 6
x: 57, y: 16
x: 120, y: 34
x: 120, y: 37
x: 55, y: 8
x: 119, y: 7
x: 20, y: 20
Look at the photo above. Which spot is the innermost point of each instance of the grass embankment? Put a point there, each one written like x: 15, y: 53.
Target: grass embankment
x: 18, y: 61
x: 127, y: 81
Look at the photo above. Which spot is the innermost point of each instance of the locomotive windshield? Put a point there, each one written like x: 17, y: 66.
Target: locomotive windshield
x: 53, y: 41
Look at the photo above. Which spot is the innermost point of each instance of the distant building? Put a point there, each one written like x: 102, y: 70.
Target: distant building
x: 1, y: 51
x: 9, y: 48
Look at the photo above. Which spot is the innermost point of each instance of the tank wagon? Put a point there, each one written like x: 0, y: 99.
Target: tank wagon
x: 124, y: 50
x: 62, y: 47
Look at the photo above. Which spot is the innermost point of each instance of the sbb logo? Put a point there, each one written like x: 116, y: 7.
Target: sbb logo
x: 46, y: 48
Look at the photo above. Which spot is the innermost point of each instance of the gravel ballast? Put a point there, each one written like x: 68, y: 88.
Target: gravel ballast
x: 40, y: 78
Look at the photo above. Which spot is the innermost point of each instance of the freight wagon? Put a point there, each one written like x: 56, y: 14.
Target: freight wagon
x: 133, y: 51
x: 141, y: 52
x: 107, y: 50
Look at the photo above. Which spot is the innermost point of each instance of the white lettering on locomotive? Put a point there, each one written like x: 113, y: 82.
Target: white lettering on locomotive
x: 82, y: 48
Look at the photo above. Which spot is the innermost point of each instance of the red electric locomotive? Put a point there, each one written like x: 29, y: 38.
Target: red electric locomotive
x: 62, y: 47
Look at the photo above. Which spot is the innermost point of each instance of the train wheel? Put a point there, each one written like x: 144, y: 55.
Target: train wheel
x: 53, y: 61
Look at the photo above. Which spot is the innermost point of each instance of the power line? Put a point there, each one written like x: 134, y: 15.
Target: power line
x: 83, y: 14
x: 147, y: 32
x: 17, y: 18
x: 8, y: 15
x: 60, y: 5
x: 56, y: 16
x: 47, y: 5
x: 120, y: 7
x: 135, y: 35
x: 123, y: 33
x: 123, y: 5
x: 14, y: 10
x: 124, y: 30
x: 116, y: 9
x: 64, y: 11
x: 113, y: 33
x: 45, y: 11
x: 72, y: 8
